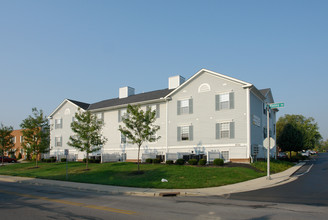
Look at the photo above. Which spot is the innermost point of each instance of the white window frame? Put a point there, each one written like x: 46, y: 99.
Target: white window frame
x: 60, y: 142
x: 58, y: 123
x: 225, y: 130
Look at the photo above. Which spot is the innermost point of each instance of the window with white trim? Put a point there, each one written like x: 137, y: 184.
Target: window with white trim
x: 185, y: 133
x: 58, y: 123
x: 224, y: 101
x: 185, y: 106
x: 121, y: 114
x: 100, y: 116
x: 225, y: 130
x: 156, y: 108
x: 58, y: 141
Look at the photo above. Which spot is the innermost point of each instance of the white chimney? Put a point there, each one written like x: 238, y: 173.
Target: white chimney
x: 126, y: 92
x: 175, y: 81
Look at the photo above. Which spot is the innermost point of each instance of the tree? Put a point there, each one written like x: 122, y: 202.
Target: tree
x: 307, y: 126
x: 88, y: 138
x: 6, y: 142
x: 290, y: 139
x: 139, y: 126
x: 36, y: 134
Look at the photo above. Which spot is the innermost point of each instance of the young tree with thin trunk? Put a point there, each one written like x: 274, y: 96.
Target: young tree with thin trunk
x: 87, y: 138
x: 36, y: 133
x: 139, y: 126
x: 6, y: 142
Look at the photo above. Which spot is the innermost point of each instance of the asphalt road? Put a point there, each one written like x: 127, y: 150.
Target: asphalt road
x: 310, y: 188
x: 305, y: 198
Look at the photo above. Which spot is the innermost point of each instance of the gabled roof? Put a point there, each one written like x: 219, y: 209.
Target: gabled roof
x: 243, y: 83
x: 82, y: 105
x: 142, y: 97
x: 267, y: 94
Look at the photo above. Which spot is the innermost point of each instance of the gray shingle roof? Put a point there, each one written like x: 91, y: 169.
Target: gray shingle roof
x: 147, y: 96
x: 80, y: 104
x: 264, y: 91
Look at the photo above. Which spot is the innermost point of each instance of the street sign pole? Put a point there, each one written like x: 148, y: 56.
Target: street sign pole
x: 66, y: 153
x: 268, y: 149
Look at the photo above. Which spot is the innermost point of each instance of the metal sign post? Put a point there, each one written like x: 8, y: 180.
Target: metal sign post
x: 66, y: 153
x: 268, y: 149
x: 272, y: 105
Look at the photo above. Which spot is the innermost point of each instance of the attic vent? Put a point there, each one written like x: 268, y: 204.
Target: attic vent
x: 204, y: 88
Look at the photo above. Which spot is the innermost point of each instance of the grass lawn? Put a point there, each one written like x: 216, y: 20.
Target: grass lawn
x: 124, y: 174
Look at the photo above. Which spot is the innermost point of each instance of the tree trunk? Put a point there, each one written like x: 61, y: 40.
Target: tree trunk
x: 138, y: 157
x: 87, y: 160
x: 36, y: 160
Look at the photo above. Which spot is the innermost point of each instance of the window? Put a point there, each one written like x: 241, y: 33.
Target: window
x: 156, y: 108
x: 100, y: 116
x: 58, y: 141
x: 185, y: 106
x: 185, y: 133
x: 121, y: 114
x: 58, y: 123
x: 204, y: 88
x: 225, y: 130
x: 224, y: 101
x: 13, y: 140
x: 21, y: 139
x: 123, y: 139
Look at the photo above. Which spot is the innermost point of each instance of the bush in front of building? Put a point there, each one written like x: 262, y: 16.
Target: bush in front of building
x: 156, y: 160
x: 63, y: 159
x: 169, y: 162
x: 149, y: 160
x: 202, y: 162
x: 218, y: 162
x: 192, y: 162
x: 180, y: 162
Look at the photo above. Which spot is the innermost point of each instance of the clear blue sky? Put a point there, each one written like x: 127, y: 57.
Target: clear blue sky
x: 86, y: 50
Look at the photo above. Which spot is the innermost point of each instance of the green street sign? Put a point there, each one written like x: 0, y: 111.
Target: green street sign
x: 277, y: 105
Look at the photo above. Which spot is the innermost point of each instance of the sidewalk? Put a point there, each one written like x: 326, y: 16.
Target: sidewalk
x: 259, y: 183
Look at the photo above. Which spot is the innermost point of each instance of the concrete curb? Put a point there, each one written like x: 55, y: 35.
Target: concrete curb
x: 254, y: 184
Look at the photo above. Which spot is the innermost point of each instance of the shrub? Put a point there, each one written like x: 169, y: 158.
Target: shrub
x: 156, y: 160
x: 52, y: 160
x: 19, y: 156
x: 180, y: 162
x: 169, y: 162
x: 202, y: 162
x: 63, y: 159
x: 218, y: 162
x: 149, y: 160
x: 192, y: 162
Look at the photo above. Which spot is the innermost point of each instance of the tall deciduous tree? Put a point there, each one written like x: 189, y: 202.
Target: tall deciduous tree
x: 36, y: 134
x: 290, y: 138
x: 87, y: 129
x: 307, y: 126
x: 6, y: 142
x: 139, y: 126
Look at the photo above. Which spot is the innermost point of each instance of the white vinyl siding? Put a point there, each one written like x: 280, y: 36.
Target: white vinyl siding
x: 156, y: 108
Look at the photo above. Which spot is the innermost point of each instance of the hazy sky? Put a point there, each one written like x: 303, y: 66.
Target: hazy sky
x: 86, y: 50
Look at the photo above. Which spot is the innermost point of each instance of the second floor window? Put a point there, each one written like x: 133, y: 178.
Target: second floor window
x: 185, y: 133
x: 185, y: 106
x: 121, y: 114
x: 224, y: 101
x: 225, y: 130
x: 58, y: 141
x: 58, y: 123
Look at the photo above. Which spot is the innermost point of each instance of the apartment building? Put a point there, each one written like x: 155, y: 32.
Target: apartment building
x: 209, y: 112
